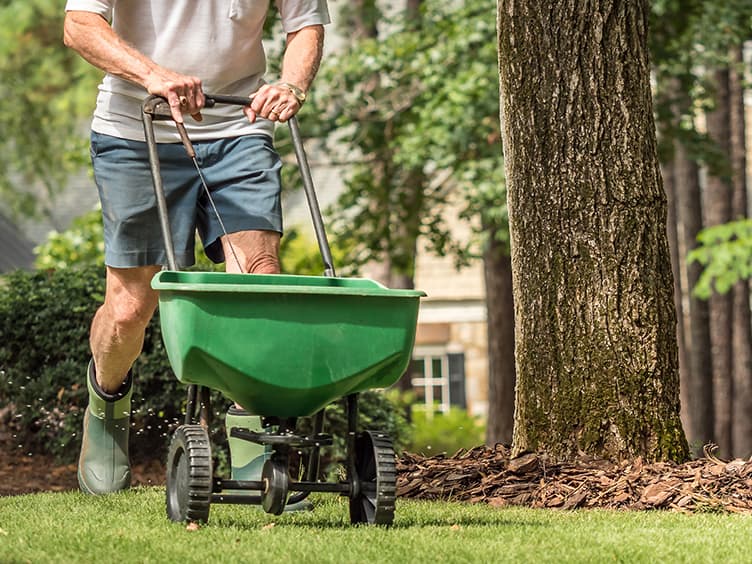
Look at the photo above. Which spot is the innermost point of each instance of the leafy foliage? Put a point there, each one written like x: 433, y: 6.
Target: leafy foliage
x: 48, y: 91
x: 419, y: 112
x: 726, y: 253
x: 445, y: 432
x: 44, y: 320
x: 689, y: 39
x: 81, y: 244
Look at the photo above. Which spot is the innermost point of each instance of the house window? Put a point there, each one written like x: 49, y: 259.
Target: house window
x: 438, y: 379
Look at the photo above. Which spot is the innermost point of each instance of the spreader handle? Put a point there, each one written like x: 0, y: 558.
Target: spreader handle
x: 210, y: 100
x: 310, y: 192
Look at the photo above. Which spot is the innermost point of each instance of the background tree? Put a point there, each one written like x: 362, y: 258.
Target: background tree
x: 48, y: 92
x: 693, y: 45
x: 596, y: 345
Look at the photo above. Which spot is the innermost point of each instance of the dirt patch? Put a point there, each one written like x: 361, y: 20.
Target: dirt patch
x: 21, y: 473
x: 490, y: 475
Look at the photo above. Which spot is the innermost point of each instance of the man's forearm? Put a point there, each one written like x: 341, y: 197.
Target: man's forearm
x: 303, y: 56
x: 92, y: 37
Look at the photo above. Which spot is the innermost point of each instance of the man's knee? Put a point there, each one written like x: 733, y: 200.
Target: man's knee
x: 130, y: 301
x: 130, y: 314
x: 263, y: 262
x: 257, y: 252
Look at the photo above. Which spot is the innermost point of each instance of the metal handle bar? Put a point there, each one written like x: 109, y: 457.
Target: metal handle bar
x: 157, y: 108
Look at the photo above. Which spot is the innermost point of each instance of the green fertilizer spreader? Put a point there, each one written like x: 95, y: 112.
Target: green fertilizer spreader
x: 283, y: 347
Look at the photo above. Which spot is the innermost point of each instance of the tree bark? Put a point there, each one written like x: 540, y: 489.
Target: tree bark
x: 717, y: 205
x: 594, y: 314
x: 501, y: 373
x: 742, y: 341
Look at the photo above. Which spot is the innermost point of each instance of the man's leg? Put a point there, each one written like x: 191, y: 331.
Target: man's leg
x: 117, y: 332
x: 117, y: 335
x: 257, y: 251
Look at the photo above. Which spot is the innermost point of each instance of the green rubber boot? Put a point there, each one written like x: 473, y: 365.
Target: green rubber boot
x: 247, y: 458
x: 103, y: 466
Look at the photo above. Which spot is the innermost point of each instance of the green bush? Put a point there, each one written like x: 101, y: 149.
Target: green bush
x: 445, y: 432
x: 44, y: 320
x: 44, y: 350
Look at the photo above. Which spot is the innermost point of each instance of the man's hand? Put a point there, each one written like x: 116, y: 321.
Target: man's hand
x: 183, y: 93
x: 275, y: 102
x: 93, y: 38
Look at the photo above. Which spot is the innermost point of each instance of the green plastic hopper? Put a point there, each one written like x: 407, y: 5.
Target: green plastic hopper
x: 282, y: 345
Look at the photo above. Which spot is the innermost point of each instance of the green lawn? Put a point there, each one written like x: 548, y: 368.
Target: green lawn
x: 132, y: 527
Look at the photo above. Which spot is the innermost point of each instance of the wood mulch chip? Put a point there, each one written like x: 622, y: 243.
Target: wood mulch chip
x: 490, y: 475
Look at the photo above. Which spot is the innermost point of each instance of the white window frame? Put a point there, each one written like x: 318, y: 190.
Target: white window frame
x: 428, y: 381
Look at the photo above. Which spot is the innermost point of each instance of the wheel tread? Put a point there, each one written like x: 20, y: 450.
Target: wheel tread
x: 386, y: 482
x: 193, y: 440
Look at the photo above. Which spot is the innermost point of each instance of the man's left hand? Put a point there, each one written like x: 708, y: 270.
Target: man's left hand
x: 275, y: 102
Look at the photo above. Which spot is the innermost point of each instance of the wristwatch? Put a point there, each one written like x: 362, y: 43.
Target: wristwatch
x: 297, y: 92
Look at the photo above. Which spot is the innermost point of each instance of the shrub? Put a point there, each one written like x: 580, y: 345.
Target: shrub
x: 445, y: 432
x: 44, y: 320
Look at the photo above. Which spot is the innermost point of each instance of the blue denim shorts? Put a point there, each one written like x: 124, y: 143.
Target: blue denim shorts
x: 243, y: 176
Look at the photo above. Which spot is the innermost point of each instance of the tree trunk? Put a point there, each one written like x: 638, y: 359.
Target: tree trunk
x: 594, y: 314
x: 700, y: 390
x: 359, y: 19
x: 717, y: 211
x: 412, y: 10
x: 501, y: 374
x: 742, y: 343
x: 669, y: 184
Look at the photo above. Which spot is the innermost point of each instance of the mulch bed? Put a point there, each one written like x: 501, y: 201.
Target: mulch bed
x: 490, y: 475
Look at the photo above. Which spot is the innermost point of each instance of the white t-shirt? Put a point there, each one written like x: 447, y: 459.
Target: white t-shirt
x: 218, y: 41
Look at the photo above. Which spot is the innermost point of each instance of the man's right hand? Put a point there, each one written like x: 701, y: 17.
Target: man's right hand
x: 182, y: 92
x: 92, y: 37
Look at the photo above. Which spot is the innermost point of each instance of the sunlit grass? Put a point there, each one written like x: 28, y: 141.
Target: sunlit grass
x: 132, y: 527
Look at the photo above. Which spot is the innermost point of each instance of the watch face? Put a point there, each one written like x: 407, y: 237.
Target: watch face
x: 297, y: 92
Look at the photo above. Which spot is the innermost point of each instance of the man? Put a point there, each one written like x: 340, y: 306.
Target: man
x: 178, y: 50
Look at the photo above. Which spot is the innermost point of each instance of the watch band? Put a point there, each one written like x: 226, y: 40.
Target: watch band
x: 296, y: 91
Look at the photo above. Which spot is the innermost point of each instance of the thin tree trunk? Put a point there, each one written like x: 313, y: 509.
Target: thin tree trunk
x: 701, y: 367
x: 359, y: 19
x: 412, y: 9
x: 669, y: 184
x: 742, y: 344
x: 500, y: 321
x: 717, y: 202
x: 594, y: 313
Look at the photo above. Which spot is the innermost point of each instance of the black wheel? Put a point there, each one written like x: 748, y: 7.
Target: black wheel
x: 375, y: 468
x: 276, y: 481
x: 189, y: 474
